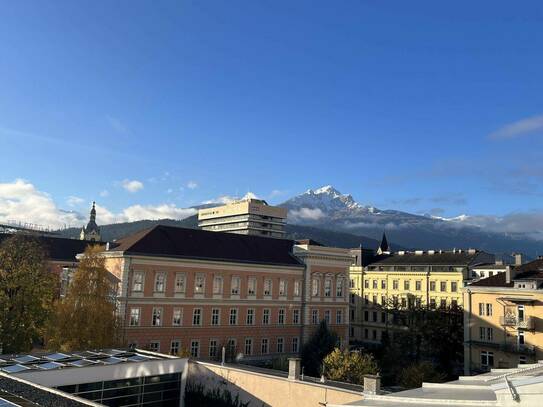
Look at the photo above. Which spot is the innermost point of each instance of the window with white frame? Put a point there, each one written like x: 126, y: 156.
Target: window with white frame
x: 199, y: 284
x: 296, y: 316
x: 135, y: 316
x: 157, y: 316
x: 281, y: 316
x: 481, y: 309
x: 251, y: 286
x: 215, y: 316
x: 267, y: 287
x: 195, y: 348
x: 233, y: 316
x: 282, y: 288
x: 160, y: 282
x: 217, y: 284
x: 197, y: 316
x: 327, y: 287
x: 315, y: 316
x: 488, y: 310
x: 250, y: 320
x: 154, y: 346
x: 297, y: 288
x: 231, y: 346
x: 234, y: 285
x: 339, y: 316
x: 177, y: 318
x: 264, y: 349
x: 315, y: 287
x: 339, y: 287
x: 266, y: 316
x: 280, y: 345
x: 174, y: 347
x: 248, y: 346
x: 487, y: 359
x: 295, y: 345
x: 180, y: 282
x: 213, y: 348
x: 327, y: 316
x: 137, y: 284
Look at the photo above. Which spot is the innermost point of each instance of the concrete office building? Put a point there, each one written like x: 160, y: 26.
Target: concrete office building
x: 247, y: 217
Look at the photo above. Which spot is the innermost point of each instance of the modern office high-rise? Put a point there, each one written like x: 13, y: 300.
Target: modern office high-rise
x: 247, y: 217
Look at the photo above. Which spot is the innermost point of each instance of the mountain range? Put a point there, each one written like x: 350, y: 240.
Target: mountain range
x: 332, y: 218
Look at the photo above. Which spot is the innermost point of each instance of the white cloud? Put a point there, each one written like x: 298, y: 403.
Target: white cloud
x: 225, y: 199
x: 529, y: 125
x: 192, y: 185
x: 132, y: 186
x: 277, y: 192
x: 104, y: 193
x: 306, y: 214
x: 20, y: 201
x: 164, y: 211
x: 74, y: 200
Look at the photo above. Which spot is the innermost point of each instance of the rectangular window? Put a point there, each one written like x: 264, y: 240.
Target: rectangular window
x: 264, y: 346
x: 443, y: 286
x: 395, y: 284
x: 267, y: 287
x: 327, y: 287
x: 418, y: 285
x: 315, y: 287
x: 135, y: 316
x: 297, y: 288
x: 234, y: 287
x: 383, y: 317
x: 339, y: 287
x: 353, y: 298
x: 296, y: 316
x: 177, y: 319
x: 215, y: 316
x: 174, y: 347
x: 339, y: 316
x: 250, y: 320
x: 180, y: 282
x: 406, y: 285
x: 374, y: 300
x: 315, y: 316
x: 487, y: 359
x: 432, y: 285
x: 248, y: 346
x: 432, y: 303
x: 454, y: 286
x: 489, y: 334
x: 213, y: 348
x: 443, y: 303
x: 280, y: 345
x: 366, y: 283
x: 521, y: 338
x: 217, y: 285
x: 231, y: 346
x: 199, y: 284
x: 366, y: 316
x: 157, y: 316
x: 374, y: 316
x: 282, y: 288
x: 137, y: 285
x: 383, y: 300
x: 233, y: 316
x: 281, y: 317
x: 327, y: 316
x: 160, y: 282
x: 195, y: 348
x: 366, y: 299
x: 266, y: 317
x: 374, y: 284
x: 154, y: 346
x: 295, y: 345
x: 197, y: 316
x: 251, y: 286
x: 481, y: 309
x: 383, y: 284
x: 488, y: 310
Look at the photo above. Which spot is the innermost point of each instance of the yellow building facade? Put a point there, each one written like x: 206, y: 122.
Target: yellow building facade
x: 503, y: 319
x: 403, y: 280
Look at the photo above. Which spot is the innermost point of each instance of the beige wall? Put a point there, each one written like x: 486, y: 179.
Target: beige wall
x: 266, y: 390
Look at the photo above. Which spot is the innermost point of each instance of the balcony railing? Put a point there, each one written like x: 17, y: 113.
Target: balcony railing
x: 523, y: 349
x: 515, y: 322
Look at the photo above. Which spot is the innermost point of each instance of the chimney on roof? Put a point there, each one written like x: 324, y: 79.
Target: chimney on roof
x: 509, y: 274
x: 518, y: 259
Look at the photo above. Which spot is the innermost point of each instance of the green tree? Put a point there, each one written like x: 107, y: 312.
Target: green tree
x: 26, y: 293
x: 349, y: 366
x: 321, y: 343
x: 413, y: 376
x: 87, y: 317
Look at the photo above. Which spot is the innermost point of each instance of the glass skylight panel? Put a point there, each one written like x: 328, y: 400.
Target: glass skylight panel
x: 57, y: 356
x: 111, y: 360
x: 25, y: 359
x: 5, y: 403
x: 50, y: 365
x: 14, y: 368
x: 113, y: 352
x: 82, y: 363
x: 137, y: 358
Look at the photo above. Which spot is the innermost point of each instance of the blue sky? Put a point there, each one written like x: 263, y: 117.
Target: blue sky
x: 421, y: 106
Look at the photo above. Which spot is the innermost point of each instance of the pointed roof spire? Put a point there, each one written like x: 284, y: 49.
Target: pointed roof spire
x: 384, y: 247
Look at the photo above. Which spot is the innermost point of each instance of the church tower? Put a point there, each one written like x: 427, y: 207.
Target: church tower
x: 384, y: 247
x: 91, y: 232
